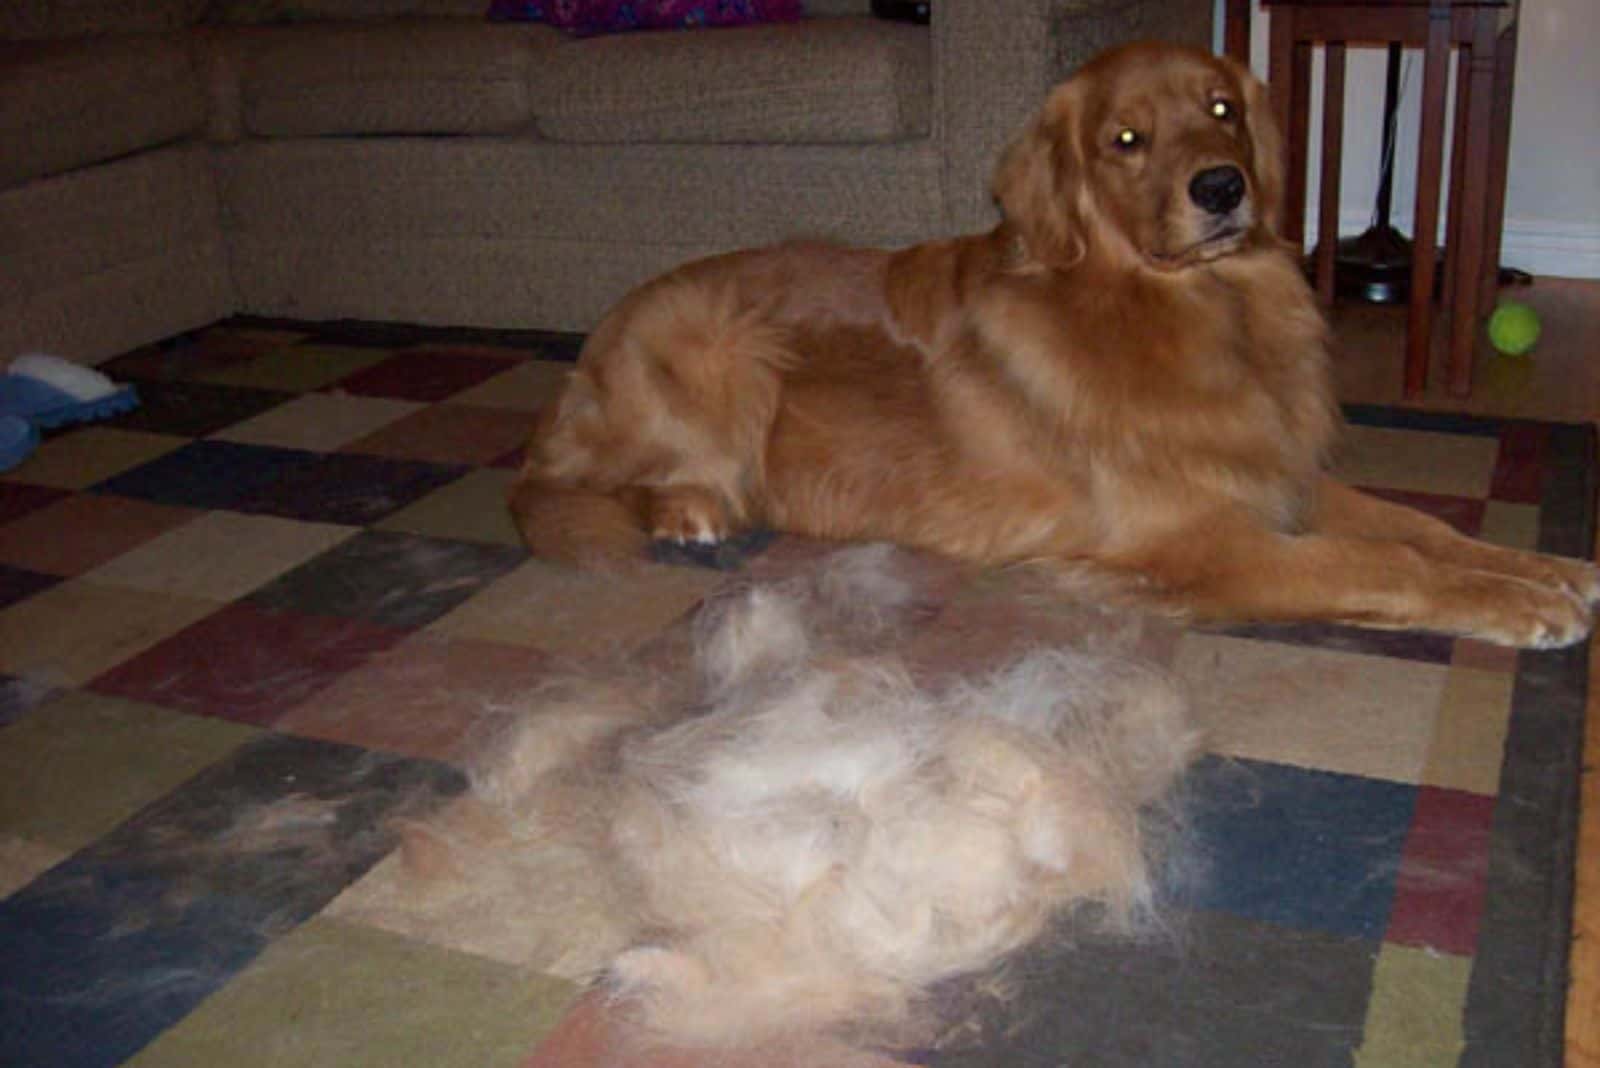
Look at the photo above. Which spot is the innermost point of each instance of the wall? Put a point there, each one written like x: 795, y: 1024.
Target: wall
x: 1552, y: 222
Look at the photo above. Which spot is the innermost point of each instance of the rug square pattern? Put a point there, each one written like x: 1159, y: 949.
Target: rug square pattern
x: 18, y: 584
x: 1320, y: 708
x: 209, y: 474
x: 594, y: 1033
x: 358, y: 997
x: 449, y: 434
x: 247, y: 664
x: 570, y: 613
x: 1274, y: 850
x: 1522, y: 468
x: 565, y: 928
x: 1470, y: 731
x: 1220, y: 989
x: 22, y: 861
x: 75, y: 630
x: 428, y: 696
x: 1409, y: 645
x: 79, y: 533
x: 95, y: 453
x: 21, y: 694
x: 1439, y: 893
x: 472, y: 508
x: 107, y: 758
x: 82, y: 918
x: 252, y: 630
x: 19, y: 498
x: 426, y: 374
x: 1414, y: 1020
x: 197, y: 355
x: 525, y: 387
x: 1388, y: 458
x: 1516, y: 526
x: 297, y: 369
x: 318, y: 421
x: 171, y: 905
x: 194, y: 409
x: 346, y: 488
x: 219, y: 555
x: 398, y: 580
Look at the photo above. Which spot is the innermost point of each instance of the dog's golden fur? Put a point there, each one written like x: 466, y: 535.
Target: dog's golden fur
x: 1125, y: 380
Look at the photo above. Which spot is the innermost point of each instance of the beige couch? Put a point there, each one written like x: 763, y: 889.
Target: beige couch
x: 167, y: 163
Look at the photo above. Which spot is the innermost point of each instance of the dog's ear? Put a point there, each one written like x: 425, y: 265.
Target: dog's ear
x: 1037, y: 183
x: 1267, y: 145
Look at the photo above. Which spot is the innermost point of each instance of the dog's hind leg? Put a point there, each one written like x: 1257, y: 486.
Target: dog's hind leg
x: 661, y: 431
x: 686, y: 514
x: 576, y: 525
x: 610, y: 529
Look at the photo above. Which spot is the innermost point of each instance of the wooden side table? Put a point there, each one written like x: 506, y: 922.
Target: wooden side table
x: 1483, y: 32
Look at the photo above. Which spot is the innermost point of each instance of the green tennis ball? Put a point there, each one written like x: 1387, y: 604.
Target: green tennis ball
x: 1514, y: 328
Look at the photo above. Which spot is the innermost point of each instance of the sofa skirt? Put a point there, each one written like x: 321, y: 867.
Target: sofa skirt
x: 103, y: 259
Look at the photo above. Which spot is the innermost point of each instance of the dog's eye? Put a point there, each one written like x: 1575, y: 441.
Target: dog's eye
x: 1221, y: 109
x: 1128, y: 138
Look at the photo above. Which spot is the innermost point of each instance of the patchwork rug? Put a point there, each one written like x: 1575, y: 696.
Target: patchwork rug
x: 249, y: 629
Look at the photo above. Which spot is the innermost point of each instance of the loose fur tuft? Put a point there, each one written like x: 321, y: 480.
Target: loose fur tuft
x: 805, y: 834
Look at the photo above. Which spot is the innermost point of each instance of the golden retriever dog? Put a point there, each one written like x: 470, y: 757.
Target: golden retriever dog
x: 1124, y: 381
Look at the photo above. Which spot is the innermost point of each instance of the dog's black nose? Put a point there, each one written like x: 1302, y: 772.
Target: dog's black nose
x: 1217, y: 189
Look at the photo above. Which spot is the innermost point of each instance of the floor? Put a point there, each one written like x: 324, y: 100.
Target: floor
x: 407, y: 438
x: 1559, y: 380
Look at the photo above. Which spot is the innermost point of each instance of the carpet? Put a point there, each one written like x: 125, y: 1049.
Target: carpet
x: 253, y: 627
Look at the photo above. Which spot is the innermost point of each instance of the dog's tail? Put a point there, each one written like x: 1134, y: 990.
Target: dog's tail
x: 575, y: 525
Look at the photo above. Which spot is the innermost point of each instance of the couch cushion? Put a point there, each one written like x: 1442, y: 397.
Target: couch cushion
x: 825, y: 80
x: 838, y: 7
x: 67, y: 104
x: 275, y: 12
x: 33, y: 20
x: 408, y: 76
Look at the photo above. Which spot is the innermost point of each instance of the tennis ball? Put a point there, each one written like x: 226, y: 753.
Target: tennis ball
x: 1514, y: 328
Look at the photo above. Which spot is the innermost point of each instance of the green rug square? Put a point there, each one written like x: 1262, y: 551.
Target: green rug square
x: 79, y: 764
x: 333, y: 993
x: 299, y: 369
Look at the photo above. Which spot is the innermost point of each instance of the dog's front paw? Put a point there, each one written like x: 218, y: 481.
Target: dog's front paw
x: 1532, y: 616
x: 1580, y: 577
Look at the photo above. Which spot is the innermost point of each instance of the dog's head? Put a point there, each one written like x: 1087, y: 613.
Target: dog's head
x: 1152, y: 152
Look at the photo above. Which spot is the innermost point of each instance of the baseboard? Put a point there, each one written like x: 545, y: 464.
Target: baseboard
x: 1538, y: 246
x: 1542, y: 247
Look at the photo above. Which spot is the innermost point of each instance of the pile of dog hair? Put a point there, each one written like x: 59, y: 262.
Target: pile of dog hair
x: 799, y: 833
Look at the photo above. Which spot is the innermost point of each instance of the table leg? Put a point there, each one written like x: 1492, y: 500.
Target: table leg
x: 1424, y: 239
x: 1458, y: 166
x: 1478, y: 72
x: 1332, y: 152
x: 1236, y: 31
x: 1505, y: 68
x: 1288, y: 82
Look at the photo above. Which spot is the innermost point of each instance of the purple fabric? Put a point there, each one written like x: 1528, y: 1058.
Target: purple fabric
x: 586, y: 17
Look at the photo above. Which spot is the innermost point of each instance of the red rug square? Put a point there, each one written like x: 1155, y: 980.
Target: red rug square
x: 247, y: 665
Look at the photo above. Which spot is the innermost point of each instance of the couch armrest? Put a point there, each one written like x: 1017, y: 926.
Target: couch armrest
x: 994, y: 61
